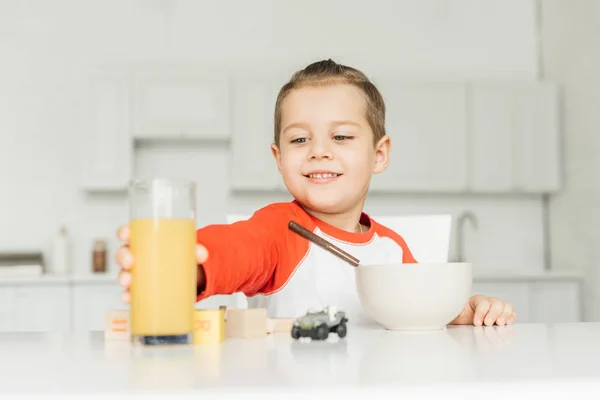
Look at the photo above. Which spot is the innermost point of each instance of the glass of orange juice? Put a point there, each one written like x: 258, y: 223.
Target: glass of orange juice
x: 162, y: 242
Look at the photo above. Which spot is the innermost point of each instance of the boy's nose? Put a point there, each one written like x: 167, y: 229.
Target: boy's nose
x: 319, y: 149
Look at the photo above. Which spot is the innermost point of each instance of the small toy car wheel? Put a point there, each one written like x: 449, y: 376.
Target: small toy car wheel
x: 341, y: 330
x: 295, y: 332
x: 322, y: 332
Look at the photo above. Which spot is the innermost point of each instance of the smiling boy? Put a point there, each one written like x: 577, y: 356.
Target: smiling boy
x: 329, y: 139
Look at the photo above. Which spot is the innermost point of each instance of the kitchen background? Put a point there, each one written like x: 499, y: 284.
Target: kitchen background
x: 94, y: 93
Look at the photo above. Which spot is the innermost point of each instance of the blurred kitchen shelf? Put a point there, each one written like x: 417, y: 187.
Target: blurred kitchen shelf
x: 107, y: 277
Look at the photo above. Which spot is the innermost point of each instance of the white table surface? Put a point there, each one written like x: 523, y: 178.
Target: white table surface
x: 459, y: 362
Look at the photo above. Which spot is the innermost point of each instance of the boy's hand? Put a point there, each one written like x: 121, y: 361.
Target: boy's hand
x: 482, y: 310
x: 125, y: 261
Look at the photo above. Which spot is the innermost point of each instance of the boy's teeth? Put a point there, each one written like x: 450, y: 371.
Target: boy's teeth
x: 322, y: 176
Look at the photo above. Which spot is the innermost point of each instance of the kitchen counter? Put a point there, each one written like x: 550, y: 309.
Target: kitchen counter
x: 465, y: 361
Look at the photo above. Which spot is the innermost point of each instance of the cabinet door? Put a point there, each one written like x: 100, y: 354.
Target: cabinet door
x: 90, y: 303
x: 537, y: 158
x: 107, y: 156
x: 40, y: 308
x: 491, y: 139
x: 6, y: 308
x: 556, y: 302
x: 514, y: 137
x: 427, y: 125
x: 252, y: 164
x: 181, y: 103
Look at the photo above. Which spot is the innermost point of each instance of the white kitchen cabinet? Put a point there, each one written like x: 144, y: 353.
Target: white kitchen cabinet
x: 555, y: 302
x: 91, y: 300
x: 252, y: 165
x: 427, y: 125
x: 513, y: 137
x: 107, y: 155
x: 537, y: 149
x: 6, y: 308
x: 491, y: 140
x: 41, y: 308
x: 171, y: 103
x: 34, y: 307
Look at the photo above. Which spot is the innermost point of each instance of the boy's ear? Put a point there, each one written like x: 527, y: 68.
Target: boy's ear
x: 382, y: 154
x: 277, y: 154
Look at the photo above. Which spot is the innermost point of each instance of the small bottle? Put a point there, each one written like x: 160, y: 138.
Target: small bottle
x: 60, y: 253
x: 99, y: 256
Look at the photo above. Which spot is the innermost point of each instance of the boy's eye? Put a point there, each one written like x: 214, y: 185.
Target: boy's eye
x: 299, y: 140
x: 342, y: 137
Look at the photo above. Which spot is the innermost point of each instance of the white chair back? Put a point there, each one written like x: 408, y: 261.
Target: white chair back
x: 427, y: 236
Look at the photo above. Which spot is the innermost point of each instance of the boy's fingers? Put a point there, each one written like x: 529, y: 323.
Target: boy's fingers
x: 480, y: 312
x: 201, y: 254
x: 123, y: 233
x: 125, y: 279
x: 495, y: 311
x: 126, y: 297
x: 124, y: 258
x: 512, y: 318
x: 506, y: 314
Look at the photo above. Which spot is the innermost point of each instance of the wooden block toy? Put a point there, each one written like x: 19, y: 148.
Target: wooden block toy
x: 246, y: 322
x: 117, y: 325
x: 209, y: 326
x: 280, y: 325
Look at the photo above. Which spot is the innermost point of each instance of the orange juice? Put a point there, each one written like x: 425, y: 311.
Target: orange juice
x: 163, y: 287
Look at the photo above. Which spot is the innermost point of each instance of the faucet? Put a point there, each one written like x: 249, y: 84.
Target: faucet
x: 460, y: 246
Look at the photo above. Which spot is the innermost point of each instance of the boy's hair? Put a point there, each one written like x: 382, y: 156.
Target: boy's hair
x: 328, y: 72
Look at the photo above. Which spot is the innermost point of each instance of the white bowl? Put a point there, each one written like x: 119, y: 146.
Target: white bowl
x: 414, y: 296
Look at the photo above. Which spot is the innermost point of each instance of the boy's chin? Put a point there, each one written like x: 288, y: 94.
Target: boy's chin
x: 324, y: 204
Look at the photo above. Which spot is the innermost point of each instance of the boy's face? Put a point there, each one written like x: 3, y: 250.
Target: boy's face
x: 326, y: 154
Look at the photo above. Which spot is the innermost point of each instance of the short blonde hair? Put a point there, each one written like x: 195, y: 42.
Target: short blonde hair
x: 328, y: 72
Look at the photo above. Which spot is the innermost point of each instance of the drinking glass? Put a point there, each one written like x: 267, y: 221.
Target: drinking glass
x: 162, y: 243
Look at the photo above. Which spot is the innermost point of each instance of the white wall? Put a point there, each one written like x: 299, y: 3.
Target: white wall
x: 571, y: 54
x: 47, y: 49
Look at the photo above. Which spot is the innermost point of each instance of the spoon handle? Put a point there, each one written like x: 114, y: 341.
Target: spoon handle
x: 319, y: 241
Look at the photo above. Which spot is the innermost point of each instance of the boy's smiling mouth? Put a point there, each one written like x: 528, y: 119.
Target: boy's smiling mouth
x: 322, y: 176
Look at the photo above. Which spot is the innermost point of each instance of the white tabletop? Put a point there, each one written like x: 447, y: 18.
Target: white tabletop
x: 463, y: 360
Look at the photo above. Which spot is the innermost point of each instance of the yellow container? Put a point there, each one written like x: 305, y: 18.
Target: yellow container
x: 209, y: 326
